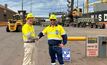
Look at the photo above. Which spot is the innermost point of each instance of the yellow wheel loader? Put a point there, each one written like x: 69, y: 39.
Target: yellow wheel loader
x: 15, y: 24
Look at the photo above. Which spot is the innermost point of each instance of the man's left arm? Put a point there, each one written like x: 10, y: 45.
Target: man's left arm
x: 64, y: 39
x: 64, y: 35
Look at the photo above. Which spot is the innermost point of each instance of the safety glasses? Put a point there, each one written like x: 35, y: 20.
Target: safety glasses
x: 53, y: 20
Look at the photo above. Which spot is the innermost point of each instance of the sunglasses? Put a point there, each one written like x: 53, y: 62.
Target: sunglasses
x: 53, y: 20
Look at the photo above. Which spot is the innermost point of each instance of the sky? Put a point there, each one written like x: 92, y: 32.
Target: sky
x: 42, y: 7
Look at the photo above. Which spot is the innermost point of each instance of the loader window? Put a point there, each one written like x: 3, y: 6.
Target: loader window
x: 12, y: 21
x: 16, y: 17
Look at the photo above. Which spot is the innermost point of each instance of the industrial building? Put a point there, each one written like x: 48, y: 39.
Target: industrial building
x: 5, y: 13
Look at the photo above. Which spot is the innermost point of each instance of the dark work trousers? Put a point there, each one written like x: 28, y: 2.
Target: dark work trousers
x: 53, y: 51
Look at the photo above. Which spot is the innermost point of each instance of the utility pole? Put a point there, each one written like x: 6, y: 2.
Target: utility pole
x: 83, y: 8
x: 31, y: 6
x: 22, y: 5
x: 5, y: 12
x: 77, y: 3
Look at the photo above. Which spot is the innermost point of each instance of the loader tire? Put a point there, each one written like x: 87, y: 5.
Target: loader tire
x: 7, y: 29
x: 19, y: 29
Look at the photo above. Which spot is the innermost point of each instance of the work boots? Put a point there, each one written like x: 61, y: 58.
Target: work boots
x: 53, y: 63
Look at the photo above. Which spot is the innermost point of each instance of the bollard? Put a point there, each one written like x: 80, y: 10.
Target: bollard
x: 81, y: 38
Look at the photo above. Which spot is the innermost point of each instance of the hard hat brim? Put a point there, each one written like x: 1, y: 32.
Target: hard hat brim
x: 29, y: 18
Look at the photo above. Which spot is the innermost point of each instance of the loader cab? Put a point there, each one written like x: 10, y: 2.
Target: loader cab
x: 16, y: 17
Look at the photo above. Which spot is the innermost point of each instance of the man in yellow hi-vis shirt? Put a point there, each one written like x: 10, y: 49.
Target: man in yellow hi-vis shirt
x: 57, y: 38
x: 29, y: 40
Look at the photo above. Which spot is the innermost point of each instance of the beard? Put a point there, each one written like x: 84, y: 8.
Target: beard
x: 54, y: 23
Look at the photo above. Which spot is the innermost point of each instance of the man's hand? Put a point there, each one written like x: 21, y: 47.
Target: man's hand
x: 61, y: 45
x: 37, y: 38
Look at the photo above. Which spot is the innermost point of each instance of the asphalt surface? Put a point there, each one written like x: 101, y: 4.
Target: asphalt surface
x: 11, y: 47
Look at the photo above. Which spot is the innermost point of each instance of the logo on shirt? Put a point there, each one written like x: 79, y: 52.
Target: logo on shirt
x: 57, y: 32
